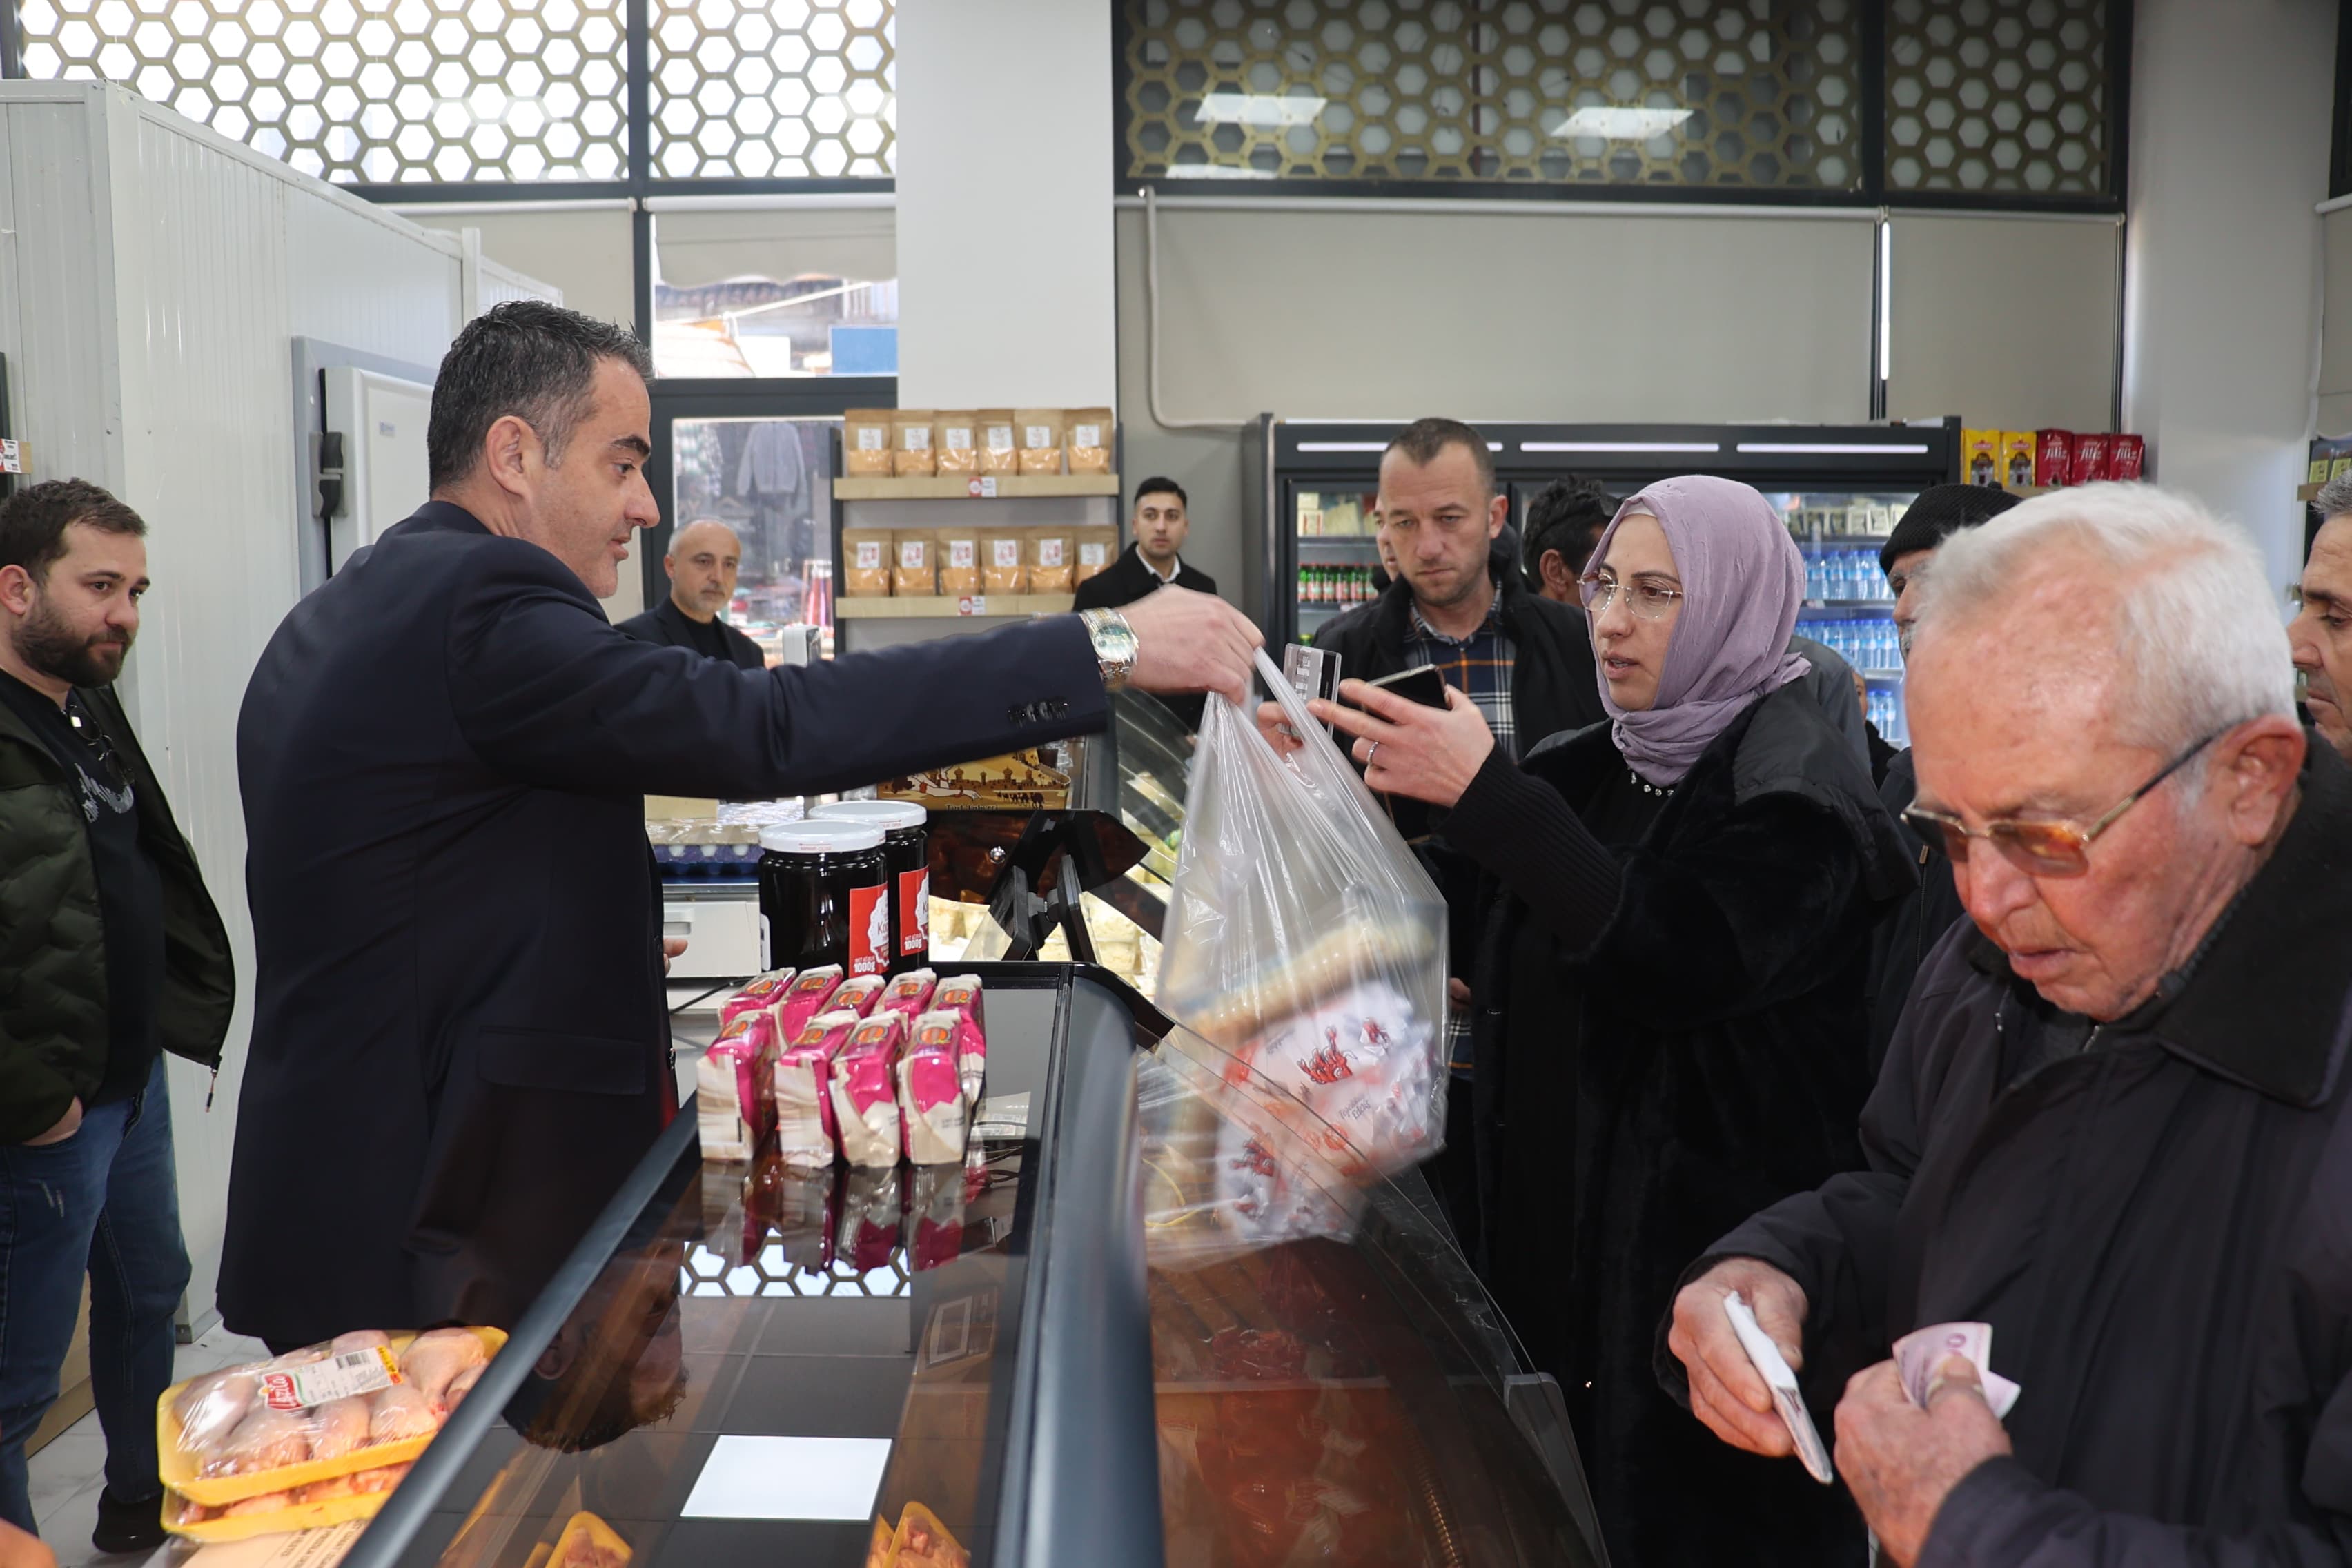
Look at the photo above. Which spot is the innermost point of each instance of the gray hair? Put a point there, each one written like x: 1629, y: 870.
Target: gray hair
x: 2195, y: 628
x: 2335, y: 498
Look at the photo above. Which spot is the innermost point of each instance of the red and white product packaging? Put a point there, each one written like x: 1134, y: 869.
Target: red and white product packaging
x: 2090, y: 459
x: 1358, y: 1059
x: 910, y: 994
x: 727, y: 1101
x: 805, y: 999
x: 961, y: 996
x: 2126, y: 457
x: 2053, y: 457
x: 865, y: 1094
x: 869, y: 930
x: 802, y: 1081
x: 758, y: 996
x: 857, y: 995
x: 931, y: 1104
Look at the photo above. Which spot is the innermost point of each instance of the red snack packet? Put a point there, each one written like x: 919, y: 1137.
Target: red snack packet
x: 728, y: 1079
x: 857, y: 995
x: 910, y: 994
x: 804, y: 999
x: 961, y: 996
x: 865, y: 1092
x: 803, y: 1091
x: 756, y: 996
x: 2127, y: 456
x: 2053, y: 457
x: 2090, y: 460
x: 932, y: 1111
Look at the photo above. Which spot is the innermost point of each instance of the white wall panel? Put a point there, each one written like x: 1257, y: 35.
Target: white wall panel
x: 57, y: 330
x: 369, y: 280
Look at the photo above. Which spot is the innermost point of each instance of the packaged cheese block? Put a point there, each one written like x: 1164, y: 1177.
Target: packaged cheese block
x: 866, y: 1093
x: 1039, y: 431
x: 801, y: 1086
x: 915, y: 574
x: 959, y: 556
x: 1089, y: 440
x: 758, y: 995
x: 866, y: 443
x: 866, y: 561
x: 910, y: 993
x: 1097, y: 546
x: 960, y: 997
x: 998, y: 441
x: 911, y: 444
x: 931, y: 1105
x: 857, y: 995
x: 805, y: 999
x: 1005, y: 561
x: 955, y: 438
x: 1053, y: 561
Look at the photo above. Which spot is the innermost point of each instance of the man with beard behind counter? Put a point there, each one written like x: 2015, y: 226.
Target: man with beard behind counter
x: 461, y: 1034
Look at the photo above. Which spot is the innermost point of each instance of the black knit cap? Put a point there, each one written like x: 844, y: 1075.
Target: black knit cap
x: 1939, y: 512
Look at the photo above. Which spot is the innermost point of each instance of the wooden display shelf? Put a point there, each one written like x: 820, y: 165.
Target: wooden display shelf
x: 961, y: 487
x: 948, y: 608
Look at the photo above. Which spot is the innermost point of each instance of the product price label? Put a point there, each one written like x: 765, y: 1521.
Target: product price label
x: 869, y: 930
x: 980, y: 486
x: 972, y: 605
x: 322, y: 1382
x: 914, y: 912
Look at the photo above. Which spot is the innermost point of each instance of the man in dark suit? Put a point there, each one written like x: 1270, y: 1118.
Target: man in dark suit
x: 461, y: 1038
x: 702, y: 561
x: 1161, y: 527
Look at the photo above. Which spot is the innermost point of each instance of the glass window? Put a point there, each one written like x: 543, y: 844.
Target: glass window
x: 1997, y: 95
x: 775, y: 294
x: 787, y: 88
x: 770, y: 482
x: 369, y: 91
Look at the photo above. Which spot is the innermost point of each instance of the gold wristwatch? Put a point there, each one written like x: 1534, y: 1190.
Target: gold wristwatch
x: 1114, y: 646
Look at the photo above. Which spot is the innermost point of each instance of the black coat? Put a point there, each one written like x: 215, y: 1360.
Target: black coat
x: 1127, y: 579
x: 460, y: 1032
x: 1715, y: 1056
x: 2159, y: 1227
x: 1915, y: 923
x: 667, y: 625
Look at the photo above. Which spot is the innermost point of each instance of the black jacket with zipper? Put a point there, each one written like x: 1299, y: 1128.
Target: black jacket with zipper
x: 1909, y: 932
x: 54, y: 1034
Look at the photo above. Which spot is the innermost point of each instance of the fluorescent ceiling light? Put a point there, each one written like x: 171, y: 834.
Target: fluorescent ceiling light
x: 1374, y: 446
x: 1834, y: 448
x: 1621, y: 447
x: 1219, y: 172
x: 1616, y: 124
x: 1259, y: 109
x: 790, y: 1478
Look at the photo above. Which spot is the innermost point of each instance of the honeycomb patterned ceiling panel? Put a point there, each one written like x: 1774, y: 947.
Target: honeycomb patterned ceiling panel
x: 1600, y: 92
x: 373, y: 91
x: 772, y: 88
x: 1998, y: 96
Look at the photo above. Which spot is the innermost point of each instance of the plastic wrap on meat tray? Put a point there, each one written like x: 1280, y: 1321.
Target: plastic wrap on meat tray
x: 802, y: 1081
x: 805, y: 999
x: 732, y: 1109
x: 962, y: 996
x: 1308, y: 945
x: 866, y: 1093
x: 931, y: 1105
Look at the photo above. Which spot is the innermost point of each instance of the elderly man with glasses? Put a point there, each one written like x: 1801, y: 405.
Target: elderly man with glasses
x: 2113, y: 1124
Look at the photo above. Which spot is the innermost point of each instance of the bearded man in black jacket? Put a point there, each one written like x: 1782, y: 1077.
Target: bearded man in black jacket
x: 2113, y: 1123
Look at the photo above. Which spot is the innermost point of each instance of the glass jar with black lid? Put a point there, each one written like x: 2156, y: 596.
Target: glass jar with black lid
x: 824, y: 896
x: 907, y: 856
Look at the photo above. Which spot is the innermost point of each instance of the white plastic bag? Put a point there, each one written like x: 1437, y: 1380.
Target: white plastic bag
x: 1307, y: 944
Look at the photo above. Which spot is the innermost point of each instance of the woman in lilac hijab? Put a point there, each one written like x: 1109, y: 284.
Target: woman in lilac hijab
x: 1670, y: 1030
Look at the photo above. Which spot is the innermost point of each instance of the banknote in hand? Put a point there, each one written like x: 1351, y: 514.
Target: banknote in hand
x: 1917, y: 1354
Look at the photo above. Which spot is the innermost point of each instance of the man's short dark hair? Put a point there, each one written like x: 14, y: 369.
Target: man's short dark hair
x: 1160, y: 485
x: 1568, y: 515
x: 34, y: 521
x: 525, y: 358
x: 1423, y: 439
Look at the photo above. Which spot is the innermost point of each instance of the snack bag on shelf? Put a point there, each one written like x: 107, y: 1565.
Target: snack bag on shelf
x: 2017, y: 459
x: 916, y: 575
x: 959, y: 551
x: 931, y: 1105
x: 1089, y: 443
x: 866, y: 443
x: 999, y: 441
x: 758, y: 994
x: 1307, y: 944
x: 960, y: 997
x: 865, y: 1092
x: 866, y: 557
x: 1052, y: 564
x: 800, y: 1089
x: 910, y: 993
x: 857, y: 995
x: 2127, y: 456
x: 910, y: 445
x: 1003, y: 563
x: 2090, y: 459
x: 805, y: 999
x: 957, y: 441
x: 2054, y: 458
x: 1981, y: 458
x: 1039, y: 431
x: 727, y: 1103
x: 1097, y: 550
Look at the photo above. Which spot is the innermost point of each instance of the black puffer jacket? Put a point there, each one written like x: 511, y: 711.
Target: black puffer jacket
x: 1910, y: 928
x: 53, y: 1002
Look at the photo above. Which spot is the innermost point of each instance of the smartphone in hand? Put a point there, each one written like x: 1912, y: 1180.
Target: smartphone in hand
x: 1424, y: 685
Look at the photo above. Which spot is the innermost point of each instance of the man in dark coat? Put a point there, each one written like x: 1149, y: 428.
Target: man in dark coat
x: 1159, y: 525
x: 460, y: 1034
x: 2114, y: 1123
x: 702, y: 564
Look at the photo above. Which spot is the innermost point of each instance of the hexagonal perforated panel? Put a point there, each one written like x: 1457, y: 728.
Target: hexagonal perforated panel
x: 366, y: 90
x: 772, y: 88
x: 2003, y: 96
x: 1675, y: 92
x: 771, y: 1274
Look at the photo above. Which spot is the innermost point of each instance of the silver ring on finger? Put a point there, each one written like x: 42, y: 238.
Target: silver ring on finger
x: 1374, y: 750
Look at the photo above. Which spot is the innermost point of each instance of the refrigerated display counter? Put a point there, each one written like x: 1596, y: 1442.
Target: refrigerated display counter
x: 991, y: 1364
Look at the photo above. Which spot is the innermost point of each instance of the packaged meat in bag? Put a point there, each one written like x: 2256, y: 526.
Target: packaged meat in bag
x: 910, y: 993
x: 865, y: 1094
x: 961, y: 997
x: 733, y: 1111
x: 801, y: 1082
x: 931, y: 1105
x: 758, y: 996
x: 857, y: 995
x: 803, y: 999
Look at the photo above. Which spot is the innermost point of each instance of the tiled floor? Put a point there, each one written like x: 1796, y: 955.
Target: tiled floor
x: 67, y: 1475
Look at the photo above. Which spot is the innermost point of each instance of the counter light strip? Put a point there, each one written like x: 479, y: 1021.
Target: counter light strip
x: 1834, y: 449
x: 1623, y: 447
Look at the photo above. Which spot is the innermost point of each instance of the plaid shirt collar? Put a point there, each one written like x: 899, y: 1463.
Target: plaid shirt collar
x: 1480, y: 664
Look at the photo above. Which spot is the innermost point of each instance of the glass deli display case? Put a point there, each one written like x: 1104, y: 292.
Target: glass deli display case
x: 994, y: 1363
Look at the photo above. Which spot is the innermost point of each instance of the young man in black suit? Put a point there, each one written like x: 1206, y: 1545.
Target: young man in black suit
x: 1160, y: 526
x: 703, y: 559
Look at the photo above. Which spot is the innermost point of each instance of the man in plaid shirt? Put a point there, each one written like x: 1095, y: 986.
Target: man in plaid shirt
x: 1459, y: 603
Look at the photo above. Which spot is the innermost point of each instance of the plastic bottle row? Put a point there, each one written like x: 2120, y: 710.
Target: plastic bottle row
x: 1868, y: 645
x: 1845, y: 574
x: 1335, y: 586
x: 1884, y: 709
